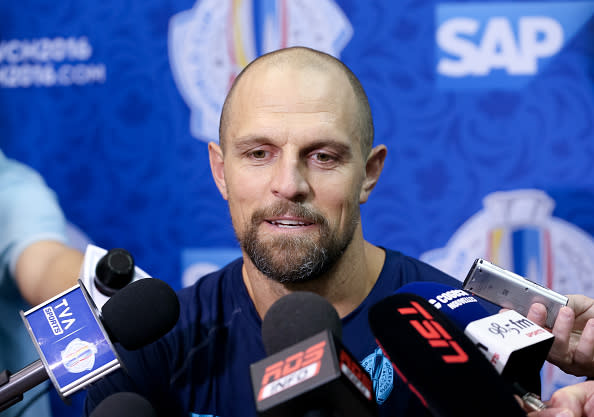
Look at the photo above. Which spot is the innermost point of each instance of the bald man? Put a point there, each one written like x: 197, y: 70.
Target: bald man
x: 295, y: 160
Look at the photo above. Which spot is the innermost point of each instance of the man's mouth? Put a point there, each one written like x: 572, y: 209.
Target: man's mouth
x: 289, y: 223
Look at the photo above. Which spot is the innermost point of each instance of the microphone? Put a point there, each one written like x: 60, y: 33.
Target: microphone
x: 124, y: 404
x: 141, y: 313
x: 439, y: 364
x: 514, y: 345
x: 308, y: 371
x: 104, y: 272
x: 114, y: 271
x: 137, y: 315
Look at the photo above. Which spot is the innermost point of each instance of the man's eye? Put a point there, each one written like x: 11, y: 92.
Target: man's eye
x: 323, y: 157
x: 258, y: 154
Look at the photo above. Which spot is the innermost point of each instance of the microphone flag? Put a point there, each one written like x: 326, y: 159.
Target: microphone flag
x: 71, y: 341
x: 317, y: 372
x: 437, y: 361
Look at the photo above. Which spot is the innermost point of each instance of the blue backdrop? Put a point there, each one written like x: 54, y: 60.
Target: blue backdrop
x: 487, y: 109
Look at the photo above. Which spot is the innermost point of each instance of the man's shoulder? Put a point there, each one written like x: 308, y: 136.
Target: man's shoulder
x: 212, y: 294
x: 408, y: 269
x: 215, y: 280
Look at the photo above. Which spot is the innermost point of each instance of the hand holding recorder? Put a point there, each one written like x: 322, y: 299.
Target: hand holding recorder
x: 571, y: 317
x: 571, y: 401
x: 573, y: 349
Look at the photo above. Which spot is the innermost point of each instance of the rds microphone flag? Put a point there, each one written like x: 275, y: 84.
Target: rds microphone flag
x: 316, y: 373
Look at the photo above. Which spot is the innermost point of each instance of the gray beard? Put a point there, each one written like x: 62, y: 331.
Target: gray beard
x: 295, y: 259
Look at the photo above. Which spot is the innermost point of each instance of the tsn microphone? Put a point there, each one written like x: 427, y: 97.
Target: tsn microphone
x: 514, y: 345
x: 437, y: 361
x: 308, y: 372
x: 74, y: 343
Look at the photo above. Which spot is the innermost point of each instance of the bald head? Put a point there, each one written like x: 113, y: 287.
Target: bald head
x: 300, y: 58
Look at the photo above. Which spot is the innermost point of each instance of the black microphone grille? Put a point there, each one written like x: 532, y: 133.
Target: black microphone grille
x: 296, y: 317
x: 124, y: 404
x: 114, y: 271
x: 141, y: 312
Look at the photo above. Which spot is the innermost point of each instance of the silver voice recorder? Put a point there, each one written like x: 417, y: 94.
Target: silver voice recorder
x: 510, y: 290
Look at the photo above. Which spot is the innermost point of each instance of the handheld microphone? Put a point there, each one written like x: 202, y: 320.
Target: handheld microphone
x: 135, y: 316
x: 437, y: 361
x: 114, y: 271
x: 308, y: 371
x: 140, y: 313
x: 124, y: 404
x: 514, y: 345
x: 104, y: 272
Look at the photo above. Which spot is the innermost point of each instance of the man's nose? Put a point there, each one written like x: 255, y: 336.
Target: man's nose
x: 290, y: 179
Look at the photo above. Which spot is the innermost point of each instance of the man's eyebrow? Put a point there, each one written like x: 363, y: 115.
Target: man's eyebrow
x: 249, y: 140
x: 336, y: 146
x: 246, y: 142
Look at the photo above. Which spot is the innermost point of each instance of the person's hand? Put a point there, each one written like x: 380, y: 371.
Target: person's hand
x: 573, y: 349
x: 571, y: 401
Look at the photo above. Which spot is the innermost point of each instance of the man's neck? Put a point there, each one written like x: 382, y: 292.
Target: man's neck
x: 346, y: 285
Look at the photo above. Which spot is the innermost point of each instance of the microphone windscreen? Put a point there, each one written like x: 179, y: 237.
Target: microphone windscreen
x: 437, y: 361
x: 124, y: 404
x: 296, y: 317
x: 141, y: 312
x: 460, y: 306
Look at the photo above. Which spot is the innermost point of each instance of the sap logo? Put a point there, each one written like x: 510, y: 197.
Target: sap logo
x: 502, y: 45
x: 498, y: 48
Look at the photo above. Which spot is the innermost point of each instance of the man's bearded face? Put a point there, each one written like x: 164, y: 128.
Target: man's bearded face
x: 300, y: 257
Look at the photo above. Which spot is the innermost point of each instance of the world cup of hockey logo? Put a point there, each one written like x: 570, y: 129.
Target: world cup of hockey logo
x: 517, y: 231
x: 212, y: 42
x: 79, y: 356
x: 520, y: 240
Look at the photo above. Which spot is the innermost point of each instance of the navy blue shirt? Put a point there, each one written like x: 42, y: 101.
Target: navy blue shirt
x: 201, y: 367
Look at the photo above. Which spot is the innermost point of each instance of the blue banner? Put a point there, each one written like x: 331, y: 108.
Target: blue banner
x: 485, y: 107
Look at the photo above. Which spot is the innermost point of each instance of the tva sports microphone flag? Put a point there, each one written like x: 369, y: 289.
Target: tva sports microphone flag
x: 71, y: 341
x: 437, y: 361
x: 75, y: 343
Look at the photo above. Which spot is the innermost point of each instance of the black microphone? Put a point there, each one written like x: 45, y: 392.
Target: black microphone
x: 135, y: 316
x: 124, y: 404
x: 437, y: 361
x: 104, y: 272
x: 140, y: 313
x: 514, y: 345
x: 308, y: 371
x: 114, y: 271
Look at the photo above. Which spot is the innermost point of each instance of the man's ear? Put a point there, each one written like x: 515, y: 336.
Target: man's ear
x: 217, y: 167
x: 373, y: 169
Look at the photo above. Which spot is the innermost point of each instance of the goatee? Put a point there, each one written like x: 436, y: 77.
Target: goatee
x: 293, y: 259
